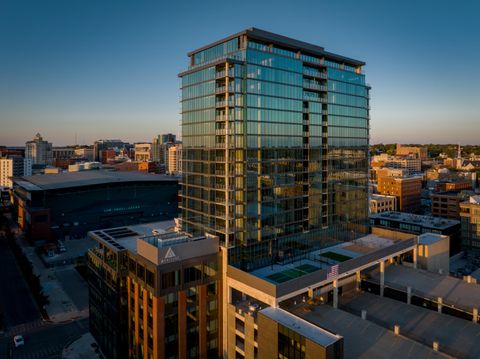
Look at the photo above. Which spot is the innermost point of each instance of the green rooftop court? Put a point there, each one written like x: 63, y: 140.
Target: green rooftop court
x: 292, y: 273
x: 278, y: 273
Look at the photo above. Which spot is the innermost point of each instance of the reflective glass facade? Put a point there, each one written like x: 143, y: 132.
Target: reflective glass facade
x: 275, y: 146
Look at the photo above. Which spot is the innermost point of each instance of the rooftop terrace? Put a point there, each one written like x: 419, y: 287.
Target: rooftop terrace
x: 123, y: 238
x: 156, y: 242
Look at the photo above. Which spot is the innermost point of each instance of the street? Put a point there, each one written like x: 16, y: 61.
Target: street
x: 44, y: 342
x: 15, y: 297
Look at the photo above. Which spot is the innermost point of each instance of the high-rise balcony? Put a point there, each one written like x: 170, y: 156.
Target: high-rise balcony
x: 222, y: 74
x: 314, y: 86
x: 308, y: 97
x: 224, y: 89
x: 226, y: 131
x: 224, y: 103
x: 317, y: 74
x: 224, y: 145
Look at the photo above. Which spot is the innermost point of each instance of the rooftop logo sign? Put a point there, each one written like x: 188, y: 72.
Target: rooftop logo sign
x: 169, y: 257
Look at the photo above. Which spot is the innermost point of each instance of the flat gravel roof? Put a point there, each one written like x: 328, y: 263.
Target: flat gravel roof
x: 362, y: 338
x: 456, y: 336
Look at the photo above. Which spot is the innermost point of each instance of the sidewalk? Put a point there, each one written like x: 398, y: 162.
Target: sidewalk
x: 82, y: 348
x: 61, y: 308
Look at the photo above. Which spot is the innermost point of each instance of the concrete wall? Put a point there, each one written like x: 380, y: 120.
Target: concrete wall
x: 382, y: 232
x: 267, y: 337
x: 435, y: 257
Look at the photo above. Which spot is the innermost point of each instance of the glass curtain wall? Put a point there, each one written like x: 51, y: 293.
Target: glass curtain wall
x: 275, y: 146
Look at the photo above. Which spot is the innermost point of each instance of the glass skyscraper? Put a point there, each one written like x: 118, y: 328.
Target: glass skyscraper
x: 275, y: 146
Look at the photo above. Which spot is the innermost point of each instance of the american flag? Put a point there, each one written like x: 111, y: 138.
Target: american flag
x: 333, y: 272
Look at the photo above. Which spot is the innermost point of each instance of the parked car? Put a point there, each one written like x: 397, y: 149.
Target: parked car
x: 18, y: 340
x: 61, y: 247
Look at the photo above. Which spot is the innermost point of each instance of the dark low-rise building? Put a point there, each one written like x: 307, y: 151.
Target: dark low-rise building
x: 65, y: 205
x: 387, y: 223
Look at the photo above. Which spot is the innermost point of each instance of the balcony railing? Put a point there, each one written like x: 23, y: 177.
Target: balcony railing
x: 223, y: 89
x: 314, y: 86
x: 222, y: 74
x: 314, y: 98
x: 320, y: 75
x: 224, y: 103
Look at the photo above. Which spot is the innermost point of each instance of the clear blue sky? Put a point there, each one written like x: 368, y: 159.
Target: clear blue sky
x: 108, y: 69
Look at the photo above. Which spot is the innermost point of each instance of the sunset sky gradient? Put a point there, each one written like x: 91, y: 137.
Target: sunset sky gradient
x: 108, y: 69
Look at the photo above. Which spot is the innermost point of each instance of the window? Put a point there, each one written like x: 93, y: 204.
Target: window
x: 170, y: 279
x: 192, y: 274
x: 150, y: 278
x: 291, y: 345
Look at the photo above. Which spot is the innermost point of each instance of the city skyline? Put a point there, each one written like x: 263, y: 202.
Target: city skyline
x: 114, y: 79
x: 258, y: 217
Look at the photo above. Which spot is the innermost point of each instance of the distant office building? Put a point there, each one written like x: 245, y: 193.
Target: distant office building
x: 380, y: 203
x: 275, y: 144
x: 410, y: 163
x: 39, y: 151
x: 447, y: 204
x: 143, y: 152
x: 12, y: 151
x: 419, y: 152
x: 84, y: 152
x: 64, y: 163
x: 62, y: 152
x: 129, y: 166
x: 84, y: 166
x: 70, y: 204
x: 470, y: 217
x: 406, y: 189
x: 160, y: 298
x: 437, y: 174
x: 175, y: 159
x: 157, y: 149
x: 160, y: 146
x: 107, y: 155
x: 458, y: 185
x: 13, y: 166
x: 377, y: 172
x: 169, y: 138
x: 100, y: 145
